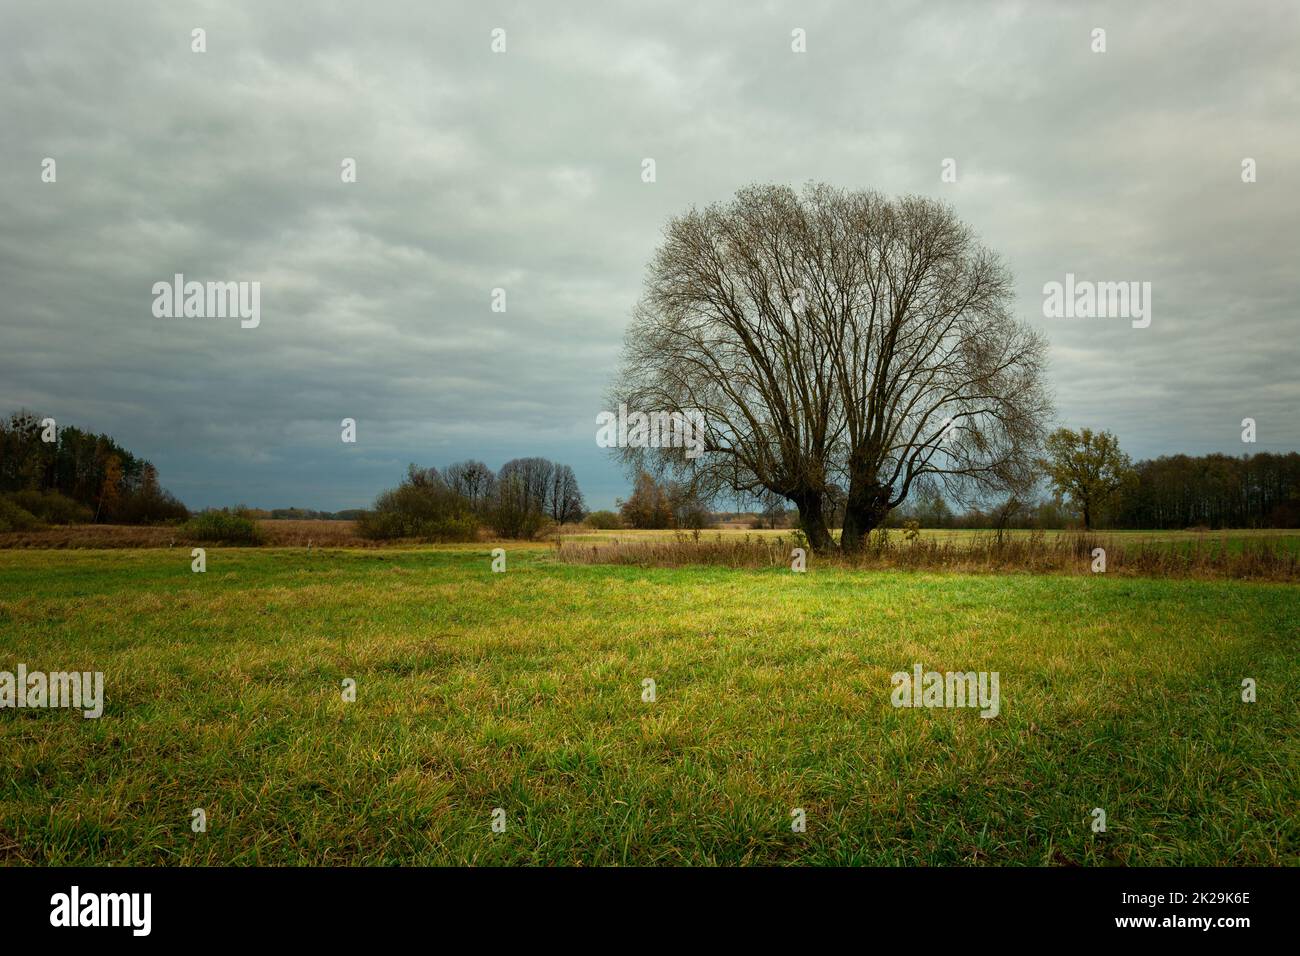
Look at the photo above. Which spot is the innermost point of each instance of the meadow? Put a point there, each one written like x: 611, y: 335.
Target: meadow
x: 523, y: 691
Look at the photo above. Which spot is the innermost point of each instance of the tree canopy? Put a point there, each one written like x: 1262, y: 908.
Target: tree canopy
x: 835, y: 344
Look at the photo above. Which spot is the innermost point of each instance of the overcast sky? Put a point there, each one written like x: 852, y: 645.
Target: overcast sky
x: 522, y: 170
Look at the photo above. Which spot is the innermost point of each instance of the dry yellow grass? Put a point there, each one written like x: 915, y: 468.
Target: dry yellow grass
x: 284, y: 534
x: 1237, y: 554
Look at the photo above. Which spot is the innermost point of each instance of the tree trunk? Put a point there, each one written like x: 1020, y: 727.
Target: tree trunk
x: 866, y: 508
x: 812, y: 519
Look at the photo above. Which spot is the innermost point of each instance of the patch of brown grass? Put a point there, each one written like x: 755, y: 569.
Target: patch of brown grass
x: 279, y: 534
x: 1035, y: 553
x: 317, y: 533
x: 91, y: 536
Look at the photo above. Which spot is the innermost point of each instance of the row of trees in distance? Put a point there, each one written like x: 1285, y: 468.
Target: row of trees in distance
x: 64, y: 475
x: 519, y: 500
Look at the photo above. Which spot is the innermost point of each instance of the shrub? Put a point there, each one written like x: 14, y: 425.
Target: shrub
x: 225, y: 526
x: 604, y: 521
x: 428, y: 510
x: 51, y: 507
x: 510, y: 519
x: 14, y: 517
x: 152, y: 506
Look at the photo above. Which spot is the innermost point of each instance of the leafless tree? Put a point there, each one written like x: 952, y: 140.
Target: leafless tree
x: 1005, y: 512
x: 835, y: 339
x: 472, y: 480
x: 529, y: 481
x: 564, y: 495
x: 716, y: 337
x: 418, y: 477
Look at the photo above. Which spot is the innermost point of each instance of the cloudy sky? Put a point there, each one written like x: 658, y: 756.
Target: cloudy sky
x: 522, y: 170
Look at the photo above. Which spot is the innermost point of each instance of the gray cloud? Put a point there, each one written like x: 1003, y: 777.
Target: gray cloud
x: 522, y: 171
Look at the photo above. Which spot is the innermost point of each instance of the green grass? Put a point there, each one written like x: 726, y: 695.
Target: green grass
x: 523, y: 691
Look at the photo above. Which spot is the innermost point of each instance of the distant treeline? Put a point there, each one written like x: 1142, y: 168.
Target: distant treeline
x: 63, y: 475
x: 304, y: 514
x: 521, y: 500
x: 1217, y: 491
x: 1171, y: 492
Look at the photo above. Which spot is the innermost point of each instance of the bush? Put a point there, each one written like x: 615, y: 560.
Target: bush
x: 227, y: 527
x: 152, y: 506
x: 14, y: 517
x: 604, y: 521
x: 428, y: 511
x: 511, y: 519
x: 51, y: 507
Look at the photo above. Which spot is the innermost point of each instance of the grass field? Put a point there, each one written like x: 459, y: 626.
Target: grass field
x: 523, y: 691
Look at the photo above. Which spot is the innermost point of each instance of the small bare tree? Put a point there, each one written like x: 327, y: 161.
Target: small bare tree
x: 473, y: 480
x: 528, y: 482
x: 564, y: 496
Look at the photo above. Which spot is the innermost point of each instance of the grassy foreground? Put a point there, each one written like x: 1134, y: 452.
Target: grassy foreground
x: 523, y: 691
